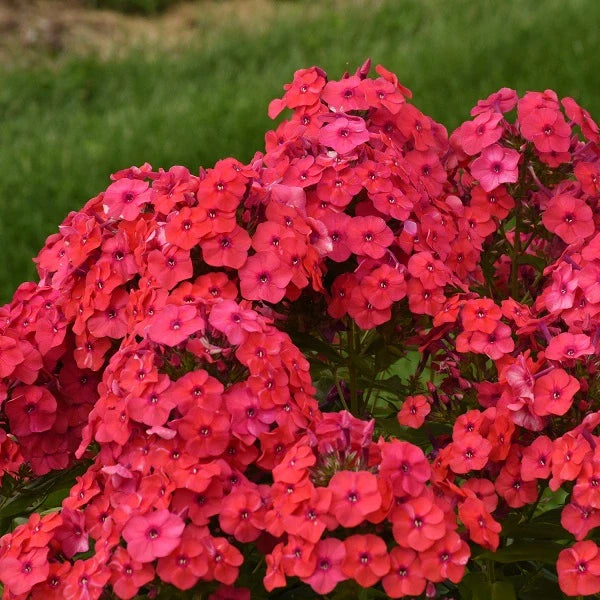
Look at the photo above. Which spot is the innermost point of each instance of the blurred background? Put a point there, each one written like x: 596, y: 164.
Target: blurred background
x: 88, y: 87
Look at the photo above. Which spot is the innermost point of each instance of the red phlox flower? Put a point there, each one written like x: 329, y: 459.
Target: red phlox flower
x: 367, y: 559
x: 369, y: 236
x: 346, y: 94
x: 566, y: 346
x: 483, y: 131
x: 414, y: 410
x: 224, y: 559
x: 537, y: 459
x: 355, y: 495
x: 446, y: 559
x: 173, y: 324
x: 546, y: 128
x: 30, y: 409
x: 553, y: 393
x: 264, y: 277
x: 19, y: 573
x: 344, y: 133
x: 405, y: 466
x: 242, y: 515
x: 569, y: 218
x: 504, y: 100
x: 496, y: 165
x: 406, y: 574
x: 330, y: 554
x: 152, y: 535
x: 483, y: 529
x: 124, y: 198
x: 419, y: 523
x: 128, y: 575
x: 579, y: 569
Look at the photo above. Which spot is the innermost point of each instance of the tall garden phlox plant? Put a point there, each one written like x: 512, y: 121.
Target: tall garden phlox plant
x: 362, y: 365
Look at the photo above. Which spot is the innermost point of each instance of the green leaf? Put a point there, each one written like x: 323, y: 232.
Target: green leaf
x: 535, y: 261
x: 309, y: 343
x: 476, y: 586
x: 543, y: 552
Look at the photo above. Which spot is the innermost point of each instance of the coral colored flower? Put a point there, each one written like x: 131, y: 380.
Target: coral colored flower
x: 480, y: 315
x: 566, y: 346
x: 405, y: 466
x: 553, y: 393
x: 511, y: 486
x: 20, y: 573
x: 355, y: 495
x: 264, y: 277
x: 537, y: 459
x: 496, y: 165
x: 569, y: 218
x: 330, y: 555
x: 345, y: 95
x: 369, y: 236
x: 173, y: 324
x: 228, y: 249
x: 483, y: 131
x: 419, y: 523
x: 431, y: 272
x: 367, y: 559
x: 406, y: 574
x: 224, y: 559
x: 72, y: 534
x: 241, y: 516
x: 384, y: 286
x: 152, y: 535
x: 446, y: 559
x: 578, y: 569
x: 186, y: 564
x: 31, y: 409
x: 124, y: 198
x: 469, y: 453
x: 128, y: 575
x: 344, y: 134
x: 547, y: 129
x: 364, y: 312
x: 414, y: 410
x: 483, y: 529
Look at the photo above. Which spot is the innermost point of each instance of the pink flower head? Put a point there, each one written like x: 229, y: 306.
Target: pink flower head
x: 344, y: 134
x: 123, y: 198
x: 579, y: 569
x: 72, y: 534
x: 264, y: 277
x: 502, y: 101
x: 547, y: 129
x: 369, y: 236
x: 405, y: 466
x: 568, y: 217
x: 21, y: 572
x: 414, y: 410
x: 230, y: 318
x: 330, y: 554
x: 554, y: 393
x: 153, y: 535
x: 483, y: 131
x: 173, y: 324
x: 355, y: 495
x: 566, y: 346
x: 345, y: 95
x: 31, y: 409
x: 496, y: 165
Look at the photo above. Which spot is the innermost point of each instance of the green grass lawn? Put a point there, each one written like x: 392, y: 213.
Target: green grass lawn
x: 65, y: 126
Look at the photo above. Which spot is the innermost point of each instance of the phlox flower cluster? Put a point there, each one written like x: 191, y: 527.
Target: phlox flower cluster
x: 165, y: 352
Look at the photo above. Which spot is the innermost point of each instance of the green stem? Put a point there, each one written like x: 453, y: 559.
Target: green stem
x: 516, y: 251
x: 339, y: 390
x: 352, y: 351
